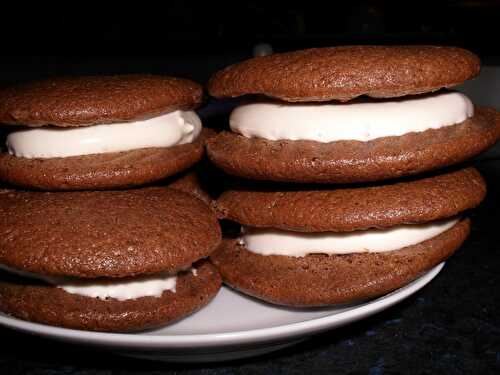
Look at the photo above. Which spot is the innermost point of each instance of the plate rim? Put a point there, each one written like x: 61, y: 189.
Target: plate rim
x: 252, y: 336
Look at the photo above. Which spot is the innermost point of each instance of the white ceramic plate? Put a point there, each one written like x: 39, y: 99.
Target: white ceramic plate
x: 231, y: 326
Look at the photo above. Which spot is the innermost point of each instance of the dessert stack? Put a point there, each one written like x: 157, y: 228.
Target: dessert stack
x: 84, y: 243
x: 351, y: 164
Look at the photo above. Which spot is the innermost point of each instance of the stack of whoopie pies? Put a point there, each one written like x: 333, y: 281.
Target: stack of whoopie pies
x: 77, y: 249
x: 348, y: 185
x: 371, y: 115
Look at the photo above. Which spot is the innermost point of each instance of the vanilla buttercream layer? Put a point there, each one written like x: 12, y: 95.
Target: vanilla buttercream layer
x: 171, y: 129
x: 360, y: 120
x: 268, y: 241
x: 119, y: 289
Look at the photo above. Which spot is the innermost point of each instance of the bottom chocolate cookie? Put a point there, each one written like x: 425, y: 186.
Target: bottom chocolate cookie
x: 40, y: 302
x: 320, y: 280
x: 115, y: 170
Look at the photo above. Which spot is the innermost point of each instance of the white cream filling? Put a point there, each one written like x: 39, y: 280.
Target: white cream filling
x: 360, y: 120
x: 266, y: 241
x: 120, y: 289
x: 174, y: 128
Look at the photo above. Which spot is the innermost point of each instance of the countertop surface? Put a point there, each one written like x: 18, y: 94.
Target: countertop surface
x: 451, y: 326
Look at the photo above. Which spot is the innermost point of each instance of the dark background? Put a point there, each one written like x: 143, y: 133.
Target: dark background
x: 451, y: 326
x: 193, y: 39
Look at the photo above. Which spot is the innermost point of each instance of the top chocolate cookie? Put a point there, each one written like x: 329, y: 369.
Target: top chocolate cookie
x: 343, y: 73
x: 82, y: 101
x: 121, y: 233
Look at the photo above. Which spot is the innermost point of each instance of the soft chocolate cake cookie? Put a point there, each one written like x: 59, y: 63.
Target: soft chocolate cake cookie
x: 343, y: 73
x: 415, y: 200
x: 106, y: 260
x: 190, y: 182
x: 318, y: 279
x: 107, y: 132
x: 80, y: 305
x: 334, y: 246
x: 350, y: 114
x: 202, y: 180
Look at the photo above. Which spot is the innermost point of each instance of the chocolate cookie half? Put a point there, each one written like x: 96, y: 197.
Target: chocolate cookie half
x: 201, y: 181
x: 416, y: 200
x: 354, y: 161
x: 324, y: 247
x: 320, y: 280
x: 106, y: 260
x: 343, y: 73
x: 41, y: 302
x: 361, y: 114
x: 104, y: 233
x: 99, y: 132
